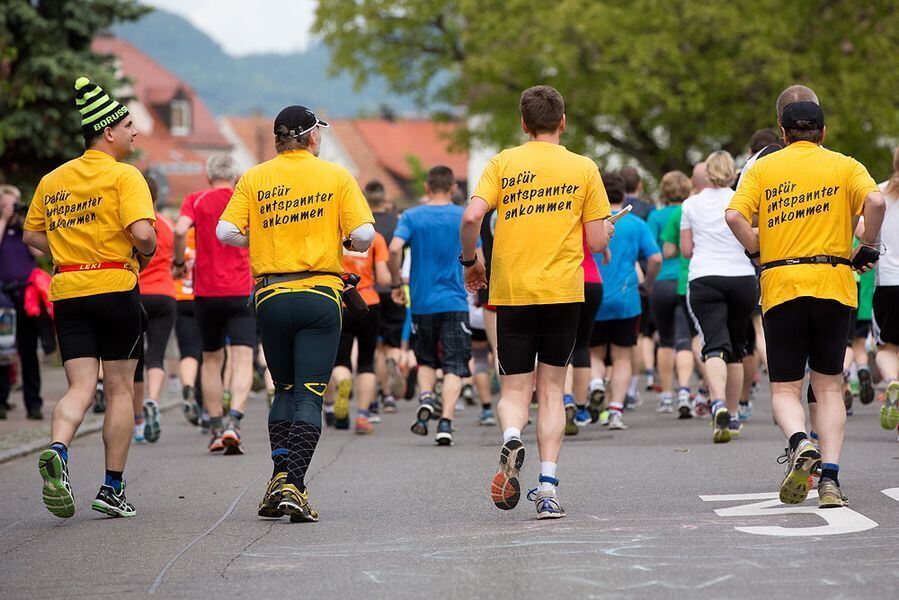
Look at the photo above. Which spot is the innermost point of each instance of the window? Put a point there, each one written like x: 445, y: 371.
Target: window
x: 181, y: 117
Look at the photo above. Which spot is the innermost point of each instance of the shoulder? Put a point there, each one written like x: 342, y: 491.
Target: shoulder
x: 125, y: 171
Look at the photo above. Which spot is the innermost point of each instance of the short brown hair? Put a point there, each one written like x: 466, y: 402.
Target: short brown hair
x: 615, y: 187
x: 675, y: 187
x: 440, y: 179
x: 285, y: 142
x: 542, y: 108
x: 631, y: 179
x: 798, y: 93
x: 761, y: 139
x: 374, y: 193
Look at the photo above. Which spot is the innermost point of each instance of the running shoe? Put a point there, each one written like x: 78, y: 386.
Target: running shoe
x: 226, y: 400
x: 754, y: 391
x: 189, y: 405
x: 547, y: 504
x: 468, y: 394
x: 444, y: 435
x: 329, y: 418
x: 865, y: 386
x: 460, y: 404
x: 800, y: 465
x: 889, y: 412
x: 268, y: 507
x: 570, y: 409
x: 735, y: 427
x: 582, y: 416
x: 296, y: 504
x: 684, y: 406
x: 597, y: 399
x: 744, y: 411
x: 151, y: 421
x: 99, y: 398
x: 425, y: 411
x: 505, y: 490
x: 57, y: 491
x: 853, y: 386
x: 269, y: 398
x: 137, y: 436
x: 438, y: 390
x: 604, y: 418
x: 395, y: 381
x: 721, y: 426
x: 231, y: 441
x: 342, y: 424
x: 615, y: 421
x: 389, y: 404
x: 204, y: 422
x: 665, y: 405
x: 374, y: 411
x: 112, y: 503
x: 363, y: 425
x: 488, y: 418
x: 632, y: 402
x: 258, y: 379
x: 701, y: 403
x: 650, y: 380
x: 848, y: 396
x: 215, y: 442
x: 829, y: 494
x: 342, y: 403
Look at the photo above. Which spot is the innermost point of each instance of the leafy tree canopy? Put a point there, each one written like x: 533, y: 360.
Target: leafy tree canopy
x: 661, y: 83
x: 44, y: 46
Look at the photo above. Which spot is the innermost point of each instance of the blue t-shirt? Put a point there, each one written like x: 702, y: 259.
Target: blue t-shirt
x: 620, y: 294
x: 656, y: 222
x: 435, y: 278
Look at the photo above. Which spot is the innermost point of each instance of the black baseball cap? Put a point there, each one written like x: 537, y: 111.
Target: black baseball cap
x: 297, y: 120
x: 809, y: 113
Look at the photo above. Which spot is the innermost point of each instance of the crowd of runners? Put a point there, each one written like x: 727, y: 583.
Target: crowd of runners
x: 569, y: 293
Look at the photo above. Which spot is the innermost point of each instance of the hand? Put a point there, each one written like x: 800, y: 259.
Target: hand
x: 607, y: 255
x: 476, y: 277
x: 644, y: 288
x: 610, y: 228
x: 179, y: 271
x: 864, y: 258
x: 398, y: 295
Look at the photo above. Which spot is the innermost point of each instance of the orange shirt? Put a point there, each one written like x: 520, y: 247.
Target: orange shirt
x: 156, y: 279
x: 184, y: 288
x: 363, y: 265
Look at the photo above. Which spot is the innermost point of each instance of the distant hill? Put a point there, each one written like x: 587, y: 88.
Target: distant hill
x: 257, y: 83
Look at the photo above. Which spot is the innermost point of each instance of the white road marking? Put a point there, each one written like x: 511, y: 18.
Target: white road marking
x: 891, y: 493
x: 372, y: 577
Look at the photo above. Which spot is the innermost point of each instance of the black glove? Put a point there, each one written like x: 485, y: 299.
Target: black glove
x: 864, y: 256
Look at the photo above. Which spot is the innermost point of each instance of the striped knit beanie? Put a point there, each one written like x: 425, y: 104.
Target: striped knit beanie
x: 98, y: 110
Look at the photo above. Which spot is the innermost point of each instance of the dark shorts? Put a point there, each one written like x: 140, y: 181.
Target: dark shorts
x: 670, y: 315
x: 161, y: 315
x: 541, y: 332
x: 393, y: 316
x: 806, y: 331
x: 187, y: 333
x: 721, y: 308
x: 885, y: 323
x: 647, y: 323
x: 102, y: 326
x: 443, y: 341
x: 478, y: 335
x: 619, y: 332
x: 365, y: 331
x: 692, y: 325
x: 225, y: 319
x: 586, y: 319
x: 858, y: 328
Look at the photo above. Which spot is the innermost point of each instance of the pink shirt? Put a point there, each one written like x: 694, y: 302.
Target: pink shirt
x: 591, y: 271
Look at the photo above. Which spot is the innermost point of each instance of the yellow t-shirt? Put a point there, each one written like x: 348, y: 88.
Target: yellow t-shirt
x: 297, y: 209
x: 805, y: 197
x: 543, y: 194
x: 86, y: 207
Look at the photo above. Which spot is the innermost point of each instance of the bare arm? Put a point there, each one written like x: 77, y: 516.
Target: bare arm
x: 37, y: 240
x: 598, y: 234
x: 382, y: 274
x: 875, y: 208
x: 180, y: 245
x: 742, y: 230
x: 395, y: 264
x: 653, y: 265
x: 686, y: 243
x: 670, y: 250
x: 144, y: 237
x: 476, y: 274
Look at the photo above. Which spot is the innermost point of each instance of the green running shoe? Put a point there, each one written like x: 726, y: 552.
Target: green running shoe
x: 269, y: 508
x: 801, y: 463
x: 571, y: 427
x: 57, y: 492
x: 296, y: 504
x: 721, y: 426
x: 889, y: 412
x: 112, y: 503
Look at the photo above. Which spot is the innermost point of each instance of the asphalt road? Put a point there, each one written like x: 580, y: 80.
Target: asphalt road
x: 401, y: 518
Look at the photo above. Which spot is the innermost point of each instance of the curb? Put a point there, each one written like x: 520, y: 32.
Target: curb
x: 90, y: 425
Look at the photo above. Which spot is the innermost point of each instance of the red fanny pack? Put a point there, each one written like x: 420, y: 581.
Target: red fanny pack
x: 92, y: 267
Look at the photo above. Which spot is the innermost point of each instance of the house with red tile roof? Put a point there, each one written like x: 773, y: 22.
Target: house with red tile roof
x: 177, y: 133
x: 392, y: 151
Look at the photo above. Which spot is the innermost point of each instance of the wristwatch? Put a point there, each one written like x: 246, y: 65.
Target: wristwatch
x: 467, y: 263
x: 752, y: 256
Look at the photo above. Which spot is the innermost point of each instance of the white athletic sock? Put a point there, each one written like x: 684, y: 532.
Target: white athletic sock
x: 511, y: 433
x: 595, y: 384
x: 548, y: 469
x: 853, y: 372
x: 632, y: 388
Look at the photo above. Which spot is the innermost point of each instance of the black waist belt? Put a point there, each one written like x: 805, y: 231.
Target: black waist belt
x: 821, y: 259
x: 274, y: 278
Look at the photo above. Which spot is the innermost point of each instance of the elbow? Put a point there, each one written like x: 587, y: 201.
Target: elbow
x: 655, y: 260
x: 876, y: 203
x: 597, y: 246
x: 733, y: 219
x: 29, y: 237
x: 144, y: 236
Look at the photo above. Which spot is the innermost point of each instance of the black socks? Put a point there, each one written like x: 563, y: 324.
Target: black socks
x: 796, y: 438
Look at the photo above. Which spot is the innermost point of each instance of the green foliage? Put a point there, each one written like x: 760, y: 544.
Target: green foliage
x: 419, y: 175
x: 44, y: 47
x: 658, y: 82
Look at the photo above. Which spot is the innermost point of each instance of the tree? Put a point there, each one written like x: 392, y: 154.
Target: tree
x: 659, y: 82
x: 44, y: 46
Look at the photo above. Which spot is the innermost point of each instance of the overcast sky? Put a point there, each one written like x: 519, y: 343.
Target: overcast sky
x: 243, y: 27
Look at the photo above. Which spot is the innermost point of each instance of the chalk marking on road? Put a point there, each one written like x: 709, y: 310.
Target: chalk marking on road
x: 716, y: 581
x: 372, y: 577
x: 641, y: 568
x: 158, y: 581
x: 839, y: 520
x: 891, y: 493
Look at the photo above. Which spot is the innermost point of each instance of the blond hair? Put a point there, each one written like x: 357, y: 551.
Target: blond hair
x: 720, y: 168
x: 10, y: 190
x: 675, y: 187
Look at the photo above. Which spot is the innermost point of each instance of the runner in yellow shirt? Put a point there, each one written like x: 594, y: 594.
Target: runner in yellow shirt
x: 294, y: 212
x: 807, y: 200
x: 94, y: 217
x: 545, y: 196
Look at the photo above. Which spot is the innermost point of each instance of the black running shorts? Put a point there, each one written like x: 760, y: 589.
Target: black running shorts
x: 618, y: 332
x: 102, y: 326
x: 186, y: 332
x: 443, y: 340
x: 885, y: 323
x: 225, y: 319
x: 721, y: 308
x: 670, y: 315
x: 541, y: 332
x: 392, y: 319
x: 586, y: 320
x: 365, y: 332
x: 806, y: 330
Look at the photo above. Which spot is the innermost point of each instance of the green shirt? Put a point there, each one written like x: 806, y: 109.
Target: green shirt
x: 671, y: 234
x: 657, y: 221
